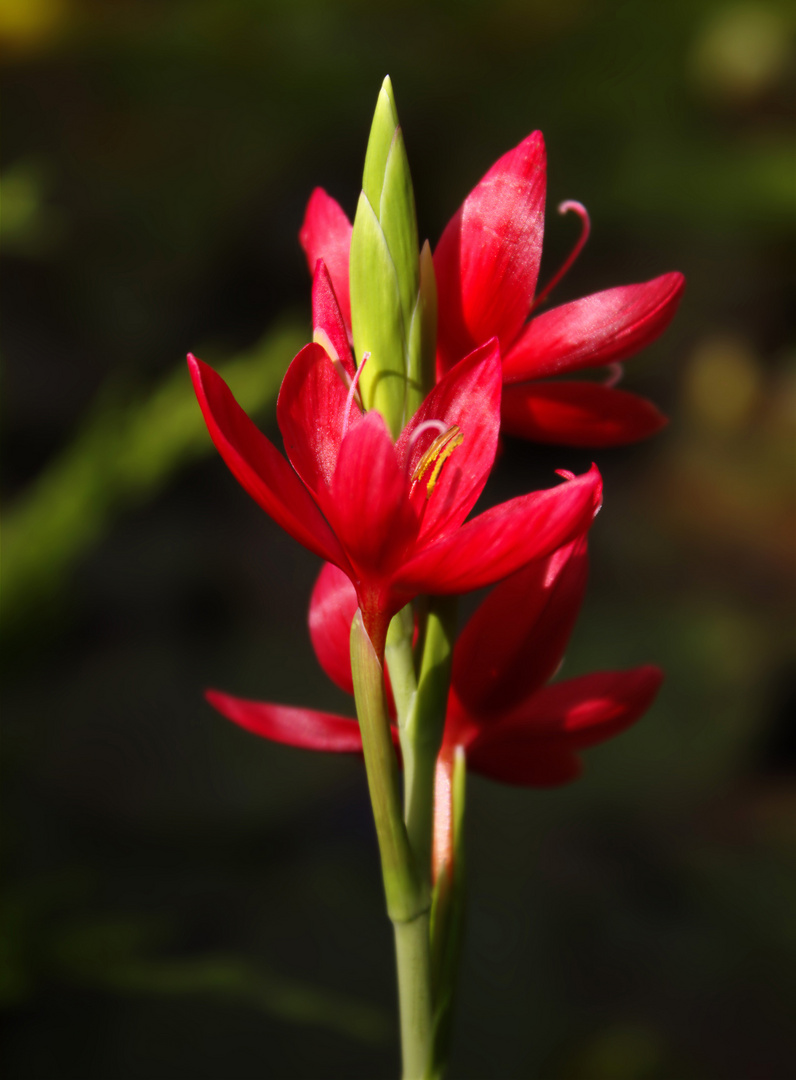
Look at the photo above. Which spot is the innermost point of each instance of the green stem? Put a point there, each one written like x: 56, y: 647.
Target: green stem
x: 406, y: 897
x: 407, y: 891
x: 413, y: 956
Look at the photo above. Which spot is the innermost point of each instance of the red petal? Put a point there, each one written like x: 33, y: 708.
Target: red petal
x: 514, y: 642
x: 259, y: 467
x: 326, y: 234
x: 599, y: 329
x: 310, y: 411
x: 294, y: 727
x: 332, y: 609
x: 368, y: 504
x: 469, y: 397
x: 582, y: 712
x: 538, y: 743
x: 501, y: 540
x: 578, y: 414
x: 328, y: 318
x: 487, y: 261
x: 527, y: 762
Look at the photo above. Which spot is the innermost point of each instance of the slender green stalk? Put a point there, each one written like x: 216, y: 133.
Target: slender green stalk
x: 413, y: 956
x: 404, y: 888
x: 407, y: 888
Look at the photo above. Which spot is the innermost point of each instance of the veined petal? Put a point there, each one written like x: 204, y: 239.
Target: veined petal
x: 516, y: 639
x: 487, y: 260
x: 310, y: 411
x: 332, y: 609
x: 259, y: 467
x: 327, y: 319
x: 599, y: 329
x: 504, y: 538
x: 326, y: 234
x: 578, y: 414
x: 468, y: 397
x: 293, y: 726
x: 368, y: 504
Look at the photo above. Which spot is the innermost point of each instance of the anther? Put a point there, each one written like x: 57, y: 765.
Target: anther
x: 436, y: 456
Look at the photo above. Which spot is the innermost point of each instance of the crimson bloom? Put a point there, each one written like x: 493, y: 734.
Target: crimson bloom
x: 513, y: 724
x: 487, y: 268
x: 392, y: 516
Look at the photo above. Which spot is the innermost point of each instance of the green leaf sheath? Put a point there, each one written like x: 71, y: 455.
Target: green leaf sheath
x: 400, y: 661
x: 422, y: 738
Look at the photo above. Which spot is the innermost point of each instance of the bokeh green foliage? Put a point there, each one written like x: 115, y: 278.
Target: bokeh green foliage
x: 122, y: 455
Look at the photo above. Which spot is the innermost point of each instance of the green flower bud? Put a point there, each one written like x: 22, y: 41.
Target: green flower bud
x: 391, y: 302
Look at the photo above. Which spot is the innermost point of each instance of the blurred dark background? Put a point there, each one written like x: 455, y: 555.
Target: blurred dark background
x: 181, y: 899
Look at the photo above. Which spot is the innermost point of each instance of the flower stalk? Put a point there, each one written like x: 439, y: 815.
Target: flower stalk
x: 406, y: 883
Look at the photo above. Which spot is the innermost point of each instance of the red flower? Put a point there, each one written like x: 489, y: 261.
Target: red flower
x: 513, y: 724
x: 487, y: 266
x: 392, y: 516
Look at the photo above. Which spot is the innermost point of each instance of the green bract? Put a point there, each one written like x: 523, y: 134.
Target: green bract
x: 393, y: 300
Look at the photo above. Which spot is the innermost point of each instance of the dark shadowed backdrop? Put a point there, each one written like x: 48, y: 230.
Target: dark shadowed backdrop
x: 182, y: 900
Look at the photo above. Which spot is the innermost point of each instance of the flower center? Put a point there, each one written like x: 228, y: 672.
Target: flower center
x: 436, y: 456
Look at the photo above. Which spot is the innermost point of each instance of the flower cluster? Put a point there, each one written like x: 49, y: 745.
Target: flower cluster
x: 362, y: 503
x: 487, y: 267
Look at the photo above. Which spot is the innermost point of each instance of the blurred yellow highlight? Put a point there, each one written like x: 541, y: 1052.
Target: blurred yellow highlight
x: 742, y: 52
x: 27, y: 24
x: 723, y: 385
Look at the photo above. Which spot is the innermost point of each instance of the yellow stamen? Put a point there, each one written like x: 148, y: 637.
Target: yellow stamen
x: 436, y: 455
